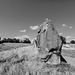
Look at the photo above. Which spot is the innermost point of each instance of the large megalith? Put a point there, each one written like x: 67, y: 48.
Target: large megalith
x: 49, y: 40
x: 47, y: 36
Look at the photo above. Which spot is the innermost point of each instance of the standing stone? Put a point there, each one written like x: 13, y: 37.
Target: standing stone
x: 48, y: 40
x: 47, y: 36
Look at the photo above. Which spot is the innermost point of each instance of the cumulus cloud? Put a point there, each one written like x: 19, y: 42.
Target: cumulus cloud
x: 70, y: 27
x: 68, y: 37
x: 60, y: 33
x: 22, y: 37
x: 34, y: 27
x: 64, y: 25
x: 22, y: 30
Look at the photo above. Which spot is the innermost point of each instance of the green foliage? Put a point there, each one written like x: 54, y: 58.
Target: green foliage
x: 72, y: 41
x: 26, y: 40
x: 0, y: 40
x: 14, y: 40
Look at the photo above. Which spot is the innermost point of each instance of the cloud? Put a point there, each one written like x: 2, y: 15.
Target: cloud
x: 22, y: 31
x: 60, y: 33
x: 70, y: 27
x: 68, y: 37
x: 22, y: 37
x: 34, y: 27
x: 64, y: 25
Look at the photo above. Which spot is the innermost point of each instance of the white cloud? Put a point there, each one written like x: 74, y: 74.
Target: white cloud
x: 22, y: 37
x: 68, y: 37
x: 60, y: 33
x: 34, y: 27
x: 70, y: 27
x: 64, y: 25
x: 22, y: 30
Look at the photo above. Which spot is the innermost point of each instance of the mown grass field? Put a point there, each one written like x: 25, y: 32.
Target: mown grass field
x: 69, y: 54
x: 10, y: 46
x: 72, y: 45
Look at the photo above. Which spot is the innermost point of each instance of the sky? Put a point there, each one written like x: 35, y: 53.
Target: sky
x: 22, y: 17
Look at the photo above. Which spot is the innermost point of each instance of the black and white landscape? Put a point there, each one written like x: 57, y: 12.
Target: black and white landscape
x: 37, y: 37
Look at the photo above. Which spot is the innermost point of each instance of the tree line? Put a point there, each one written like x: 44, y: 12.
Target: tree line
x: 72, y: 41
x: 26, y: 40
x: 14, y: 40
x: 64, y: 40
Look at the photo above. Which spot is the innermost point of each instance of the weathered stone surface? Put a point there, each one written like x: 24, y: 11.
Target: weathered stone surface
x: 48, y: 40
x: 47, y: 36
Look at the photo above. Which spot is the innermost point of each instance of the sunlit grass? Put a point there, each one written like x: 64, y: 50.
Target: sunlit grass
x: 25, y: 65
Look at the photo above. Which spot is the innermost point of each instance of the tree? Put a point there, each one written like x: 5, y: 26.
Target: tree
x: 72, y: 41
x: 15, y: 40
x: 63, y: 39
x: 10, y: 40
x: 0, y: 40
x: 26, y: 40
x: 4, y: 40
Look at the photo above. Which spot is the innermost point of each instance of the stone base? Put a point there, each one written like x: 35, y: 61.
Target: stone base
x: 54, y: 60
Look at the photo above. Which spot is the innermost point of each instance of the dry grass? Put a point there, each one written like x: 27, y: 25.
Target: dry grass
x: 23, y: 68
x: 25, y: 65
x: 33, y: 66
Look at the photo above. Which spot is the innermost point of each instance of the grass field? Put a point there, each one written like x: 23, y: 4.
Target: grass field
x: 69, y: 54
x: 10, y: 46
x: 72, y: 45
x: 13, y: 65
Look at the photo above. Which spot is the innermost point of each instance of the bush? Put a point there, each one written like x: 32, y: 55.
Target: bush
x: 63, y: 39
x: 26, y: 40
x: 72, y: 41
x: 0, y: 40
